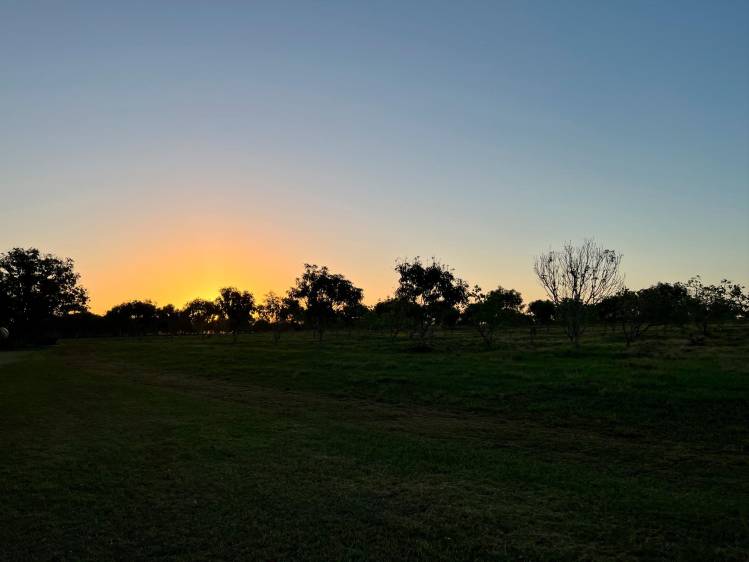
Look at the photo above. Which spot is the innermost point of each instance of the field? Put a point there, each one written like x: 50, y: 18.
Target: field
x: 359, y: 448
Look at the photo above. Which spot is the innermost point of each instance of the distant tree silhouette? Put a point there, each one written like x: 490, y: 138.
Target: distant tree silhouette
x: 81, y: 325
x: 395, y: 315
x: 35, y: 290
x: 433, y: 291
x: 203, y: 315
x: 41, y: 299
x: 607, y: 312
x: 134, y: 318
x: 542, y: 312
x: 237, y: 308
x: 279, y: 313
x: 292, y: 312
x: 272, y: 313
x: 667, y: 303
x: 715, y: 303
x: 168, y: 319
x: 325, y: 296
x: 635, y: 312
x: 490, y: 311
x: 576, y: 278
x: 353, y: 314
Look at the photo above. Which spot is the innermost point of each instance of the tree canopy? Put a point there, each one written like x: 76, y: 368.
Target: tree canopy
x: 492, y: 310
x: 236, y: 307
x: 133, y: 318
x: 325, y: 296
x: 434, y: 290
x: 35, y: 288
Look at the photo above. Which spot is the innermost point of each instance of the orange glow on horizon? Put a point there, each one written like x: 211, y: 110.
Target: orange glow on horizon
x: 177, y: 255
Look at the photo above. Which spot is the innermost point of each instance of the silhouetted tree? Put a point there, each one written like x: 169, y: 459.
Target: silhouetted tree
x: 168, y: 319
x: 202, y: 314
x: 491, y: 311
x: 606, y: 312
x: 279, y: 312
x: 542, y: 312
x: 395, y: 315
x: 292, y: 311
x: 236, y: 307
x: 632, y: 313
x: 636, y: 312
x: 81, y: 325
x: 132, y: 318
x: 324, y: 296
x: 667, y: 304
x: 353, y: 314
x: 35, y: 290
x: 434, y: 292
x: 715, y: 303
x: 577, y: 277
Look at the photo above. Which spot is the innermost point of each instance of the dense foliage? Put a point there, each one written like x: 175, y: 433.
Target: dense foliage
x: 35, y: 290
x: 432, y: 294
x: 325, y: 297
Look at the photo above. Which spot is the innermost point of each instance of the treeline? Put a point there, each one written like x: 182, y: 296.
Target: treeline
x: 41, y: 299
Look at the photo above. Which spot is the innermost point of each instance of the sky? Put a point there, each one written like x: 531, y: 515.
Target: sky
x: 172, y: 148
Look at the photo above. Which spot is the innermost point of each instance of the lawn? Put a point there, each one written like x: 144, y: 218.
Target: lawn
x: 360, y: 448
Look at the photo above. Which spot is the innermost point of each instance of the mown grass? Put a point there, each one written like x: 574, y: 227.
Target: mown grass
x: 358, y: 448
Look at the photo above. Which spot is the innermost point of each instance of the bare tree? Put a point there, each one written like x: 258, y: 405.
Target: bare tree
x: 577, y: 277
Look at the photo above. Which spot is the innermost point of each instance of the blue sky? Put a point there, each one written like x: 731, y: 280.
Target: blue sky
x: 229, y: 142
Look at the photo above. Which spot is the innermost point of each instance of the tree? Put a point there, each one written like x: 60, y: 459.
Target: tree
x: 35, y: 290
x: 636, y: 312
x: 577, y: 277
x: 632, y: 313
x: 237, y: 307
x: 665, y: 304
x: 715, y: 303
x: 432, y: 290
x: 394, y: 314
x: 500, y: 307
x: 168, y: 319
x: 353, y: 314
x: 542, y: 312
x: 132, y: 318
x: 202, y: 314
x: 292, y: 312
x: 278, y: 313
x: 606, y: 311
x: 325, y: 296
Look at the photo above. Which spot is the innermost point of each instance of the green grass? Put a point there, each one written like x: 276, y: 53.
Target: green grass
x: 193, y: 448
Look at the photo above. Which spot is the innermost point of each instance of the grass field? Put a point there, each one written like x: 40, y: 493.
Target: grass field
x: 192, y: 448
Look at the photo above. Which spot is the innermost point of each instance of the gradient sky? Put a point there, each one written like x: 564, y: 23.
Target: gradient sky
x: 174, y: 147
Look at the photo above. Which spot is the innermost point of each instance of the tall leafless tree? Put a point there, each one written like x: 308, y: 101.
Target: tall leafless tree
x: 577, y: 277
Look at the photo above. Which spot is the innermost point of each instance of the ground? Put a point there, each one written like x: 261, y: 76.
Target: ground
x: 359, y: 448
